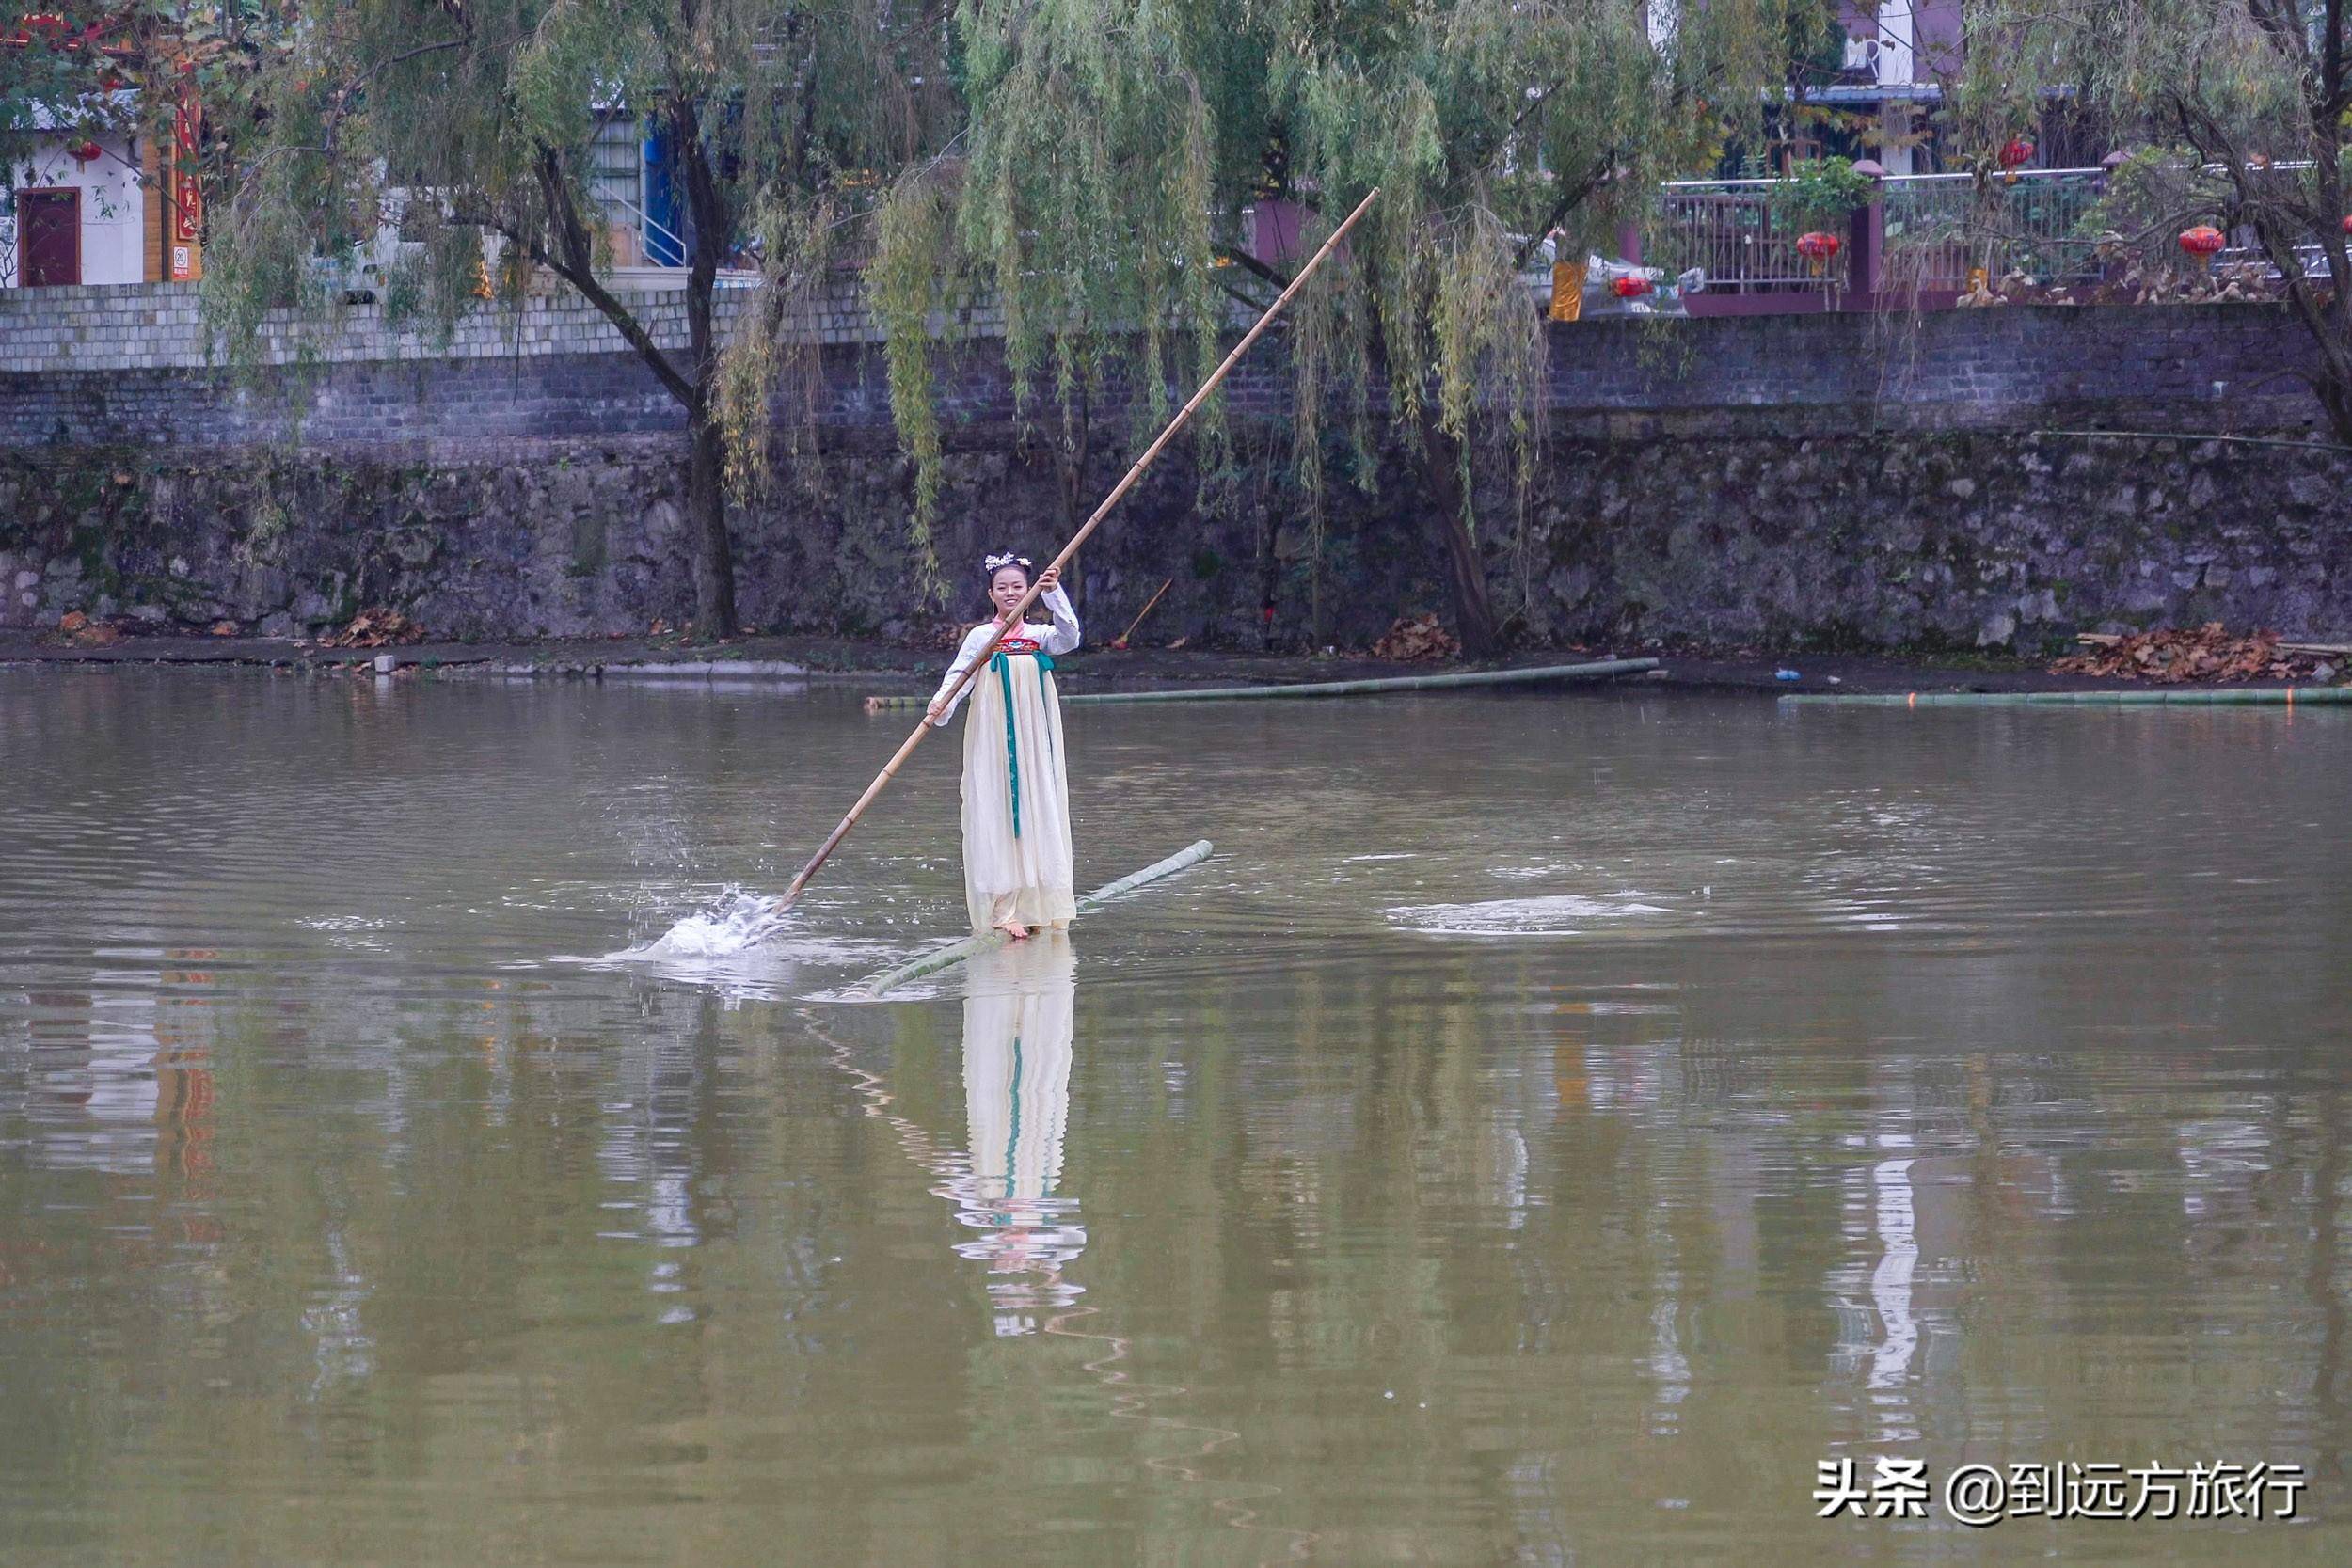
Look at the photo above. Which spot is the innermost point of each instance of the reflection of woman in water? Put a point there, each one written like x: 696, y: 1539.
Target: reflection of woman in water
x: 1018, y: 1016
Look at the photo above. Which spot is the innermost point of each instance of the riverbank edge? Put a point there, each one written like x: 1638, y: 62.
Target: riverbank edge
x: 892, y: 668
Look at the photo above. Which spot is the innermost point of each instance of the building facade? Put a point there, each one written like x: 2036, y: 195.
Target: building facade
x: 99, y: 184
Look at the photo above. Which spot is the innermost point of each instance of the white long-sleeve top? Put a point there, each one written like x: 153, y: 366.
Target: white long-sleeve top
x: 1059, y: 638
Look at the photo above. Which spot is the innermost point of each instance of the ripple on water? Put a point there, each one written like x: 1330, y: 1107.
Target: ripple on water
x: 1566, y: 914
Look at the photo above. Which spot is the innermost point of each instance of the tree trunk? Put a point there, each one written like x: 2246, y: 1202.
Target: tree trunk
x: 707, y: 526
x: 2337, y: 401
x: 2333, y: 385
x: 1439, y: 456
x: 711, y: 229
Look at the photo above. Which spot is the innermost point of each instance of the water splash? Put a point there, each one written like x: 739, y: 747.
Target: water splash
x: 738, y: 922
x: 743, y: 946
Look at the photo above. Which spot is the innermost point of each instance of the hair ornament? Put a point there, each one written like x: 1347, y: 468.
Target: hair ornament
x: 998, y: 563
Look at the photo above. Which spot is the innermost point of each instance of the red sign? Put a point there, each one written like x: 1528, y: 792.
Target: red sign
x: 186, y: 198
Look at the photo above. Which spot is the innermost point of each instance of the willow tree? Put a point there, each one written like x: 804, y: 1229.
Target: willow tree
x: 472, y: 123
x: 2240, y: 111
x: 1113, y: 145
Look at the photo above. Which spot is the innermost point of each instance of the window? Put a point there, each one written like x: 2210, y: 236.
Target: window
x: 617, y: 166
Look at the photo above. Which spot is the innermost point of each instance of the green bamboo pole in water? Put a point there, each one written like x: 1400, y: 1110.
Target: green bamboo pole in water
x: 2286, y: 696
x: 956, y: 951
x: 1344, y: 688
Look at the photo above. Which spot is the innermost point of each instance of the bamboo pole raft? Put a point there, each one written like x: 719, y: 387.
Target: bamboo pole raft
x: 956, y: 951
x: 2243, y: 696
x: 1596, y: 671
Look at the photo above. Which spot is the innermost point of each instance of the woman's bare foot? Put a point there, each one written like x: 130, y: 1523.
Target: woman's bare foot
x: 1014, y: 929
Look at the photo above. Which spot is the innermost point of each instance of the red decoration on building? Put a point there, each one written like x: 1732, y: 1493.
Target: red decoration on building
x: 2347, y: 223
x: 86, y: 151
x: 2015, y: 152
x: 1817, y: 248
x: 2203, y: 240
x: 186, y: 198
x: 1630, y: 288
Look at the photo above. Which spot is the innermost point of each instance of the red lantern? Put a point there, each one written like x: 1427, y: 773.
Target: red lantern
x: 2201, y: 241
x: 87, y: 152
x: 2347, y: 223
x: 1630, y: 288
x: 1817, y: 248
x: 2017, y: 151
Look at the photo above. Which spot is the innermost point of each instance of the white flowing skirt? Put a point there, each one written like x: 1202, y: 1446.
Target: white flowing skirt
x: 1024, y: 875
x: 1019, y: 1013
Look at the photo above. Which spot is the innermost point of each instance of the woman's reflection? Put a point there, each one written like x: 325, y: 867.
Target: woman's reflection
x: 1018, y: 1015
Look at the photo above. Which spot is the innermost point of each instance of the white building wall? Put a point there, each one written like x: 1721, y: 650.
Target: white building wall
x: 114, y: 206
x: 1898, y: 40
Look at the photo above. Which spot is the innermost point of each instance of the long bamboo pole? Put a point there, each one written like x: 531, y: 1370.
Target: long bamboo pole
x: 1597, y: 671
x: 2220, y: 696
x: 1119, y: 492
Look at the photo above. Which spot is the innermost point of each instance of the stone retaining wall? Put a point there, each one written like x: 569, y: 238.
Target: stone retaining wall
x: 1829, y: 477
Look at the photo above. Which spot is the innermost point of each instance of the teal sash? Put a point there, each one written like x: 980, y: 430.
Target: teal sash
x: 1012, y: 743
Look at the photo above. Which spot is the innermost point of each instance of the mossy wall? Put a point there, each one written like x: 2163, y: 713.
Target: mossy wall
x: 1792, y: 481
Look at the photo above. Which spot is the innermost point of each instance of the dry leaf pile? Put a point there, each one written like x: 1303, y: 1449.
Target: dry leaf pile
x: 1416, y: 637
x: 82, y: 632
x: 376, y: 629
x: 2175, y: 657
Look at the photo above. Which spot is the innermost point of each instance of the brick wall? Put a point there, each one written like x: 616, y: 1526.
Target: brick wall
x: 159, y: 326
x: 105, y: 366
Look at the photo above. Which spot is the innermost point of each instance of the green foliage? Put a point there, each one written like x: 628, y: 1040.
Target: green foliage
x: 84, y: 67
x: 1082, y: 167
x: 1819, y: 192
x: 2248, y: 99
x: 1114, y: 146
x: 911, y: 226
x: 472, y: 127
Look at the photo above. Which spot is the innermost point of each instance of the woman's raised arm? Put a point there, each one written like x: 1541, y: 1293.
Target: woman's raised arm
x: 1064, y: 635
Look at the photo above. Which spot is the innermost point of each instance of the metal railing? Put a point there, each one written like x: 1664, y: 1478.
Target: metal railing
x: 1730, y: 229
x: 663, y: 247
x: 1939, y: 227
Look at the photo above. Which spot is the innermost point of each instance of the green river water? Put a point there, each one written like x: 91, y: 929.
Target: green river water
x: 1550, y: 1129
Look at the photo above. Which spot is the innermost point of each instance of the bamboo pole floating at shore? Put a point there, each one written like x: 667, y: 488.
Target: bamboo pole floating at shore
x: 1121, y: 641
x: 956, y: 951
x: 1595, y: 671
x: 1119, y: 491
x: 2256, y: 696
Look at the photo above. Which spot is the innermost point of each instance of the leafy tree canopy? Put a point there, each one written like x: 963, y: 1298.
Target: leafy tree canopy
x: 87, y: 67
x: 1083, y: 165
x: 2235, y: 114
x: 474, y: 124
x: 1114, y: 143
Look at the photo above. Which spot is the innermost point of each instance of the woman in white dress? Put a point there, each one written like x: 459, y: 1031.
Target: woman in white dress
x: 1017, y: 872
